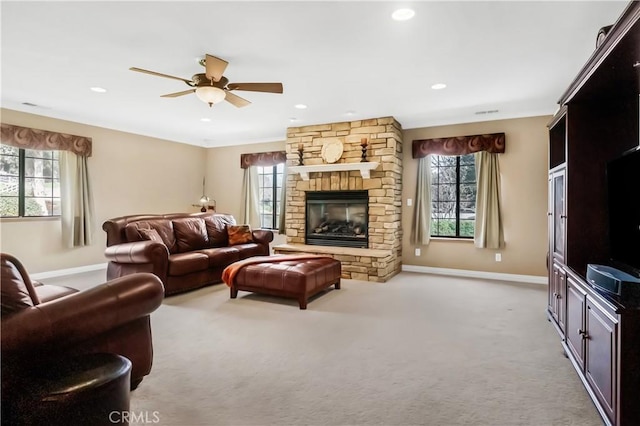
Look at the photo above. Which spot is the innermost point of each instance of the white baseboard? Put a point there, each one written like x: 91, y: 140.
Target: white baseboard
x: 532, y: 279
x: 68, y: 271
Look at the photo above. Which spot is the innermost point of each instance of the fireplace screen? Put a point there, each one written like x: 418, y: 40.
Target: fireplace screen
x: 337, y: 218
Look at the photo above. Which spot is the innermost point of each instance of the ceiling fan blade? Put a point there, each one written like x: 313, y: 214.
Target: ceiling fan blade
x: 257, y: 87
x: 175, y: 95
x: 189, y: 82
x: 236, y: 100
x: 214, y: 67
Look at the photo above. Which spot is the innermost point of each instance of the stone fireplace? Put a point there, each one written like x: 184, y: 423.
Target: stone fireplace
x: 380, y: 180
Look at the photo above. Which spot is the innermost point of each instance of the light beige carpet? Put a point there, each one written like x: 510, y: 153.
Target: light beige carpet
x: 417, y: 350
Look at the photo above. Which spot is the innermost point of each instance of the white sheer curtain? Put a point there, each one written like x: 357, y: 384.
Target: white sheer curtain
x: 488, y: 229
x: 421, y: 232
x: 283, y: 201
x: 76, y: 210
x: 250, y: 198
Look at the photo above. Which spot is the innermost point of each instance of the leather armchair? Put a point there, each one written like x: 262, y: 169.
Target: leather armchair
x: 42, y: 323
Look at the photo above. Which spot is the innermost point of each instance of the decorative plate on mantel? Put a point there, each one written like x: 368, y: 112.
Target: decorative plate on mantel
x: 331, y: 150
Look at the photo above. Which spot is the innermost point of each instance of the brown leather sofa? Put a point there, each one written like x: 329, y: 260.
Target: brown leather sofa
x: 44, y: 323
x: 185, y: 250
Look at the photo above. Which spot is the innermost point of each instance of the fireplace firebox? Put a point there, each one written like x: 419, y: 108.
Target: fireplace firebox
x: 337, y: 218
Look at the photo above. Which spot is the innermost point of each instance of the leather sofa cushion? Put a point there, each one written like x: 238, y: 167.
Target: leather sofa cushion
x: 186, y: 263
x: 49, y: 292
x: 191, y: 234
x: 222, y: 256
x: 239, y: 234
x: 217, y: 230
x: 164, y: 227
x: 15, y: 294
x: 250, y: 249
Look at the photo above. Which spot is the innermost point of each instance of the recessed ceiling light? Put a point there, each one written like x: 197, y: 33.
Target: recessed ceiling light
x: 205, y: 119
x: 350, y: 113
x: 293, y: 119
x: 438, y: 86
x: 300, y: 106
x: 403, y: 14
x: 98, y: 90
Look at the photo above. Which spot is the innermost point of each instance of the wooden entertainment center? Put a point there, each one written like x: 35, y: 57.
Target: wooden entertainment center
x: 597, y: 122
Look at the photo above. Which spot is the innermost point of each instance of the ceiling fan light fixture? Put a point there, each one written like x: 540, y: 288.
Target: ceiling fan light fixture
x: 210, y: 94
x: 212, y: 86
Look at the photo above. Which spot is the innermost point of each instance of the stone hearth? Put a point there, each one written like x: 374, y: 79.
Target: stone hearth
x: 382, y: 259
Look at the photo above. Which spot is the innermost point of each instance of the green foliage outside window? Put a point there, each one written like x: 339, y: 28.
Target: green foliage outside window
x: 447, y: 228
x: 453, y: 196
x: 270, y: 180
x: 29, y: 182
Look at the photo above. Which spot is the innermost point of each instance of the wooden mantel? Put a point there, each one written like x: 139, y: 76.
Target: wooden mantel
x: 364, y: 168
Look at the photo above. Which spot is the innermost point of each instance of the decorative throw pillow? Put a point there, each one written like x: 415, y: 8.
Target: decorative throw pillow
x: 239, y: 234
x: 164, y: 228
x: 150, y: 234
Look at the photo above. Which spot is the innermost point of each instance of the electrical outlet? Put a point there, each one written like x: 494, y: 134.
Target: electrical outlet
x: 409, y: 202
x: 417, y: 252
x: 498, y: 257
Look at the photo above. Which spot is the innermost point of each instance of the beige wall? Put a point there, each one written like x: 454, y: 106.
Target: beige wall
x: 523, y: 169
x: 224, y: 175
x: 136, y: 174
x: 524, y: 194
x: 129, y: 174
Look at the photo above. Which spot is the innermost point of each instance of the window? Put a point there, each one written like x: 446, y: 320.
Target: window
x: 453, y: 196
x: 29, y: 182
x: 270, y: 191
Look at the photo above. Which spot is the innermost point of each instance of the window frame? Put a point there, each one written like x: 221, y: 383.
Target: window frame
x: 276, y: 191
x: 458, y: 201
x: 22, y: 177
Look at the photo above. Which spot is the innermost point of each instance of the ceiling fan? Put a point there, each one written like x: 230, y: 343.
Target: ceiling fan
x: 212, y: 87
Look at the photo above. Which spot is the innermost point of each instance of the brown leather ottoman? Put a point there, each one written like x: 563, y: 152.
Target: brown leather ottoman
x: 90, y: 389
x: 297, y: 279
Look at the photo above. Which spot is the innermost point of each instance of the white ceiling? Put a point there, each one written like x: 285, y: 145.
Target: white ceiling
x: 512, y: 56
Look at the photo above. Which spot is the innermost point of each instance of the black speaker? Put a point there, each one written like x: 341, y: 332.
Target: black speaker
x: 614, y: 281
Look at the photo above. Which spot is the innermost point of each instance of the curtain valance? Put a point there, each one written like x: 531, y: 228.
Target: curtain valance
x: 459, y: 145
x: 25, y: 137
x: 263, y: 159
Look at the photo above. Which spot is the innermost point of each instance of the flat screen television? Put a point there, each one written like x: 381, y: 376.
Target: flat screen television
x: 623, y: 185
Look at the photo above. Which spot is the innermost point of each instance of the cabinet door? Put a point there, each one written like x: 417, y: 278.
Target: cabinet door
x: 561, y: 297
x: 558, y: 215
x: 557, y: 294
x: 601, y: 355
x: 574, y: 325
x: 553, y: 291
